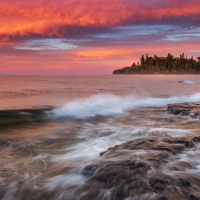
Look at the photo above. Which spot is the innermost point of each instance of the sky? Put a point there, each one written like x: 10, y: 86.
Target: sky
x: 93, y: 36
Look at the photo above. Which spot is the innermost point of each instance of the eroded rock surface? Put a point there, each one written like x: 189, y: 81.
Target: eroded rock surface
x: 186, y: 109
x: 157, y: 167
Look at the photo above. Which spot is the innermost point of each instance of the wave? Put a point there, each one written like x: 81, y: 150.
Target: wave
x: 109, y: 104
x: 98, y: 105
x: 9, y: 117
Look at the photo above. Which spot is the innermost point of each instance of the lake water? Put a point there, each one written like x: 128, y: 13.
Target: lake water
x: 51, y: 127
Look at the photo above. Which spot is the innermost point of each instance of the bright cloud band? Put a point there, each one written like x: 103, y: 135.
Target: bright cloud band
x: 59, y: 18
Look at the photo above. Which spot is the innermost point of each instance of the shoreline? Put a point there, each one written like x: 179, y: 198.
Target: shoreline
x: 153, y: 167
x: 157, y: 74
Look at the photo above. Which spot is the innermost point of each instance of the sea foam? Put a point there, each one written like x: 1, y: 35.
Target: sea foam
x: 109, y: 104
x: 188, y: 82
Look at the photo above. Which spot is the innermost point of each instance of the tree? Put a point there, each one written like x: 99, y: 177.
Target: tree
x: 172, y: 64
x: 142, y: 60
x: 133, y: 64
x: 147, y: 59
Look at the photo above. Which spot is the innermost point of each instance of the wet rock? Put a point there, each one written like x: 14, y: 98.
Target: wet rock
x: 145, y: 168
x: 185, y: 109
x: 90, y: 170
x: 156, y: 142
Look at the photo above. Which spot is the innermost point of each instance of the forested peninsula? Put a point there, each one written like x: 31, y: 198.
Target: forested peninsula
x: 163, y: 65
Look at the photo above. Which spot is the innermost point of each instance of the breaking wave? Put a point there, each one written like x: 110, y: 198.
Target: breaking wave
x: 109, y: 104
x: 98, y: 105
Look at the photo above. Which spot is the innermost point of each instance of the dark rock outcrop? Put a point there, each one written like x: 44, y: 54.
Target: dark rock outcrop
x: 185, y: 109
x: 145, y: 168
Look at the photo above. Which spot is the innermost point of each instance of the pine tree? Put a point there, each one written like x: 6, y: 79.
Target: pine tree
x: 142, y: 60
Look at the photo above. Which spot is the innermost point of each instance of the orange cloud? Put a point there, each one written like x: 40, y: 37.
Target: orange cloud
x: 57, y: 18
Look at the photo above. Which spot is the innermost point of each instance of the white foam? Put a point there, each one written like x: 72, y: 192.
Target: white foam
x: 98, y: 138
x: 190, y: 156
x: 64, y: 185
x: 64, y: 181
x: 10, y: 192
x: 108, y: 104
x: 188, y: 82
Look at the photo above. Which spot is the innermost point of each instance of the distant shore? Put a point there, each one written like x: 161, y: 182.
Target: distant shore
x: 118, y: 72
x: 163, y: 65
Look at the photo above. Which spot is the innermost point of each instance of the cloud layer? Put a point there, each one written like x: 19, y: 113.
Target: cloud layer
x: 42, y: 18
x: 79, y: 36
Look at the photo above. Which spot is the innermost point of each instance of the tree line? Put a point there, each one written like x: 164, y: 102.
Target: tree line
x: 170, y: 62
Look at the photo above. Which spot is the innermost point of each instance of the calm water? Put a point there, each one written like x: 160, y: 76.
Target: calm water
x: 51, y: 127
x: 38, y: 91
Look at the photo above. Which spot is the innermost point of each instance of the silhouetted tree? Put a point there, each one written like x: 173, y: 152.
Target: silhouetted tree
x: 171, y: 63
x: 142, y: 60
x: 133, y: 64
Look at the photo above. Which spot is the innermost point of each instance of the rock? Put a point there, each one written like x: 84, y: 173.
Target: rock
x: 155, y: 142
x: 144, y: 168
x: 90, y: 170
x: 142, y: 69
x: 185, y: 109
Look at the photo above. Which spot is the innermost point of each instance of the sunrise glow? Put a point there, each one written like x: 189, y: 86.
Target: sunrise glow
x: 93, y: 36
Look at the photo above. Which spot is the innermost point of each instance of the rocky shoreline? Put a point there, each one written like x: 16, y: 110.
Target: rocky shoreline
x: 145, y: 168
x: 158, y: 167
x: 185, y: 109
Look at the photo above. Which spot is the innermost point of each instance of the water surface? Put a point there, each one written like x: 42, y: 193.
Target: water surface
x: 51, y: 127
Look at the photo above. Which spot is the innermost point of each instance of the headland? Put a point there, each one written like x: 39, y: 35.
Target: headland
x: 163, y: 65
